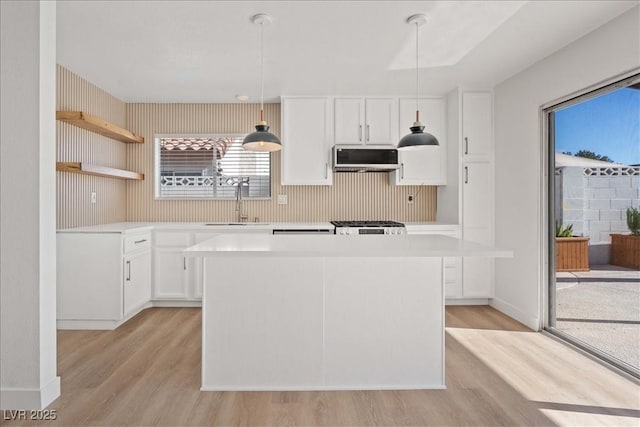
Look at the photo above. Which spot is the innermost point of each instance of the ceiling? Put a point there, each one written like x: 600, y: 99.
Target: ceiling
x: 209, y: 51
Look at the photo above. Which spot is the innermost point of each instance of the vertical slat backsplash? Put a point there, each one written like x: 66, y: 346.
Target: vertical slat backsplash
x: 74, y: 207
x: 352, y: 196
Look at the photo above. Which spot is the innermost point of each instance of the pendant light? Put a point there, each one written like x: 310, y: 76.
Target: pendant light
x: 261, y: 139
x: 417, y: 138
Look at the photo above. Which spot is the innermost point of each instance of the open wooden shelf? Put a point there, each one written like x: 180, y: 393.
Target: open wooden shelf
x: 99, y: 126
x: 89, y: 169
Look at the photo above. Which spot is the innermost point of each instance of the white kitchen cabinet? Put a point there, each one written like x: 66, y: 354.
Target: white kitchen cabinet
x: 477, y: 190
x: 428, y: 165
x: 306, y: 141
x: 103, y: 278
x: 171, y: 275
x: 173, y: 272
x: 477, y: 273
x: 452, y: 265
x: 365, y: 121
x: 137, y: 281
x: 477, y: 125
x: 468, y: 198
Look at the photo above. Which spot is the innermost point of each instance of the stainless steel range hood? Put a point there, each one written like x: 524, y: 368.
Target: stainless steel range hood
x: 363, y: 158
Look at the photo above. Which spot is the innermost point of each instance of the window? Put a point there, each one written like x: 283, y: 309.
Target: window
x: 209, y: 167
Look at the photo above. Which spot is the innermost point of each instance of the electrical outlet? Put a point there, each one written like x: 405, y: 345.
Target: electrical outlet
x: 410, y: 199
x: 283, y: 199
x: 94, y: 197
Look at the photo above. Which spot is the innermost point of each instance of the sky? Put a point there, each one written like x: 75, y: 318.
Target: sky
x: 607, y: 125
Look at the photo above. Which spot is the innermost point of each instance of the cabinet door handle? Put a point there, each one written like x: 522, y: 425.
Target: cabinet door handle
x: 360, y: 133
x: 128, y: 271
x: 401, y: 170
x: 466, y: 174
x: 466, y: 145
x: 326, y: 170
x: 184, y: 263
x: 140, y: 241
x: 368, y: 133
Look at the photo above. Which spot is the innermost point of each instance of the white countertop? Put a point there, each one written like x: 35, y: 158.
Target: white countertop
x: 136, y: 227
x: 116, y: 227
x: 231, y: 245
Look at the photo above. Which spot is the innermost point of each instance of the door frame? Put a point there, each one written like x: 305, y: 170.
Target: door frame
x: 547, y: 210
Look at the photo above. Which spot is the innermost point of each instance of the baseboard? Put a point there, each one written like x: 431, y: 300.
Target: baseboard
x: 514, y: 312
x: 98, y: 325
x: 20, y: 398
x: 466, y: 301
x: 176, y: 303
x: 324, y: 387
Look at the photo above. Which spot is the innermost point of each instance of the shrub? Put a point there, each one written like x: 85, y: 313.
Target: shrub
x: 633, y: 221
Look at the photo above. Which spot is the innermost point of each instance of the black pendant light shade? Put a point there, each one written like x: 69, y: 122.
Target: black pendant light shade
x: 261, y: 139
x: 417, y: 139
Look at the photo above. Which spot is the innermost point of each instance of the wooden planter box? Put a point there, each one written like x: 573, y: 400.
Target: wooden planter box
x: 625, y: 250
x: 572, y: 254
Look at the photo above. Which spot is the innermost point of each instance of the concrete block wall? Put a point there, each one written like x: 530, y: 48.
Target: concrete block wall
x: 596, y: 204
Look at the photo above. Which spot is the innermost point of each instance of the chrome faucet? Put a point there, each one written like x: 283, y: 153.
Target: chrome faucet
x: 241, y: 217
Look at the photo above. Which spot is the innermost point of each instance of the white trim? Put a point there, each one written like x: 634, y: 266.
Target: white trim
x: 25, y: 398
x: 466, y: 301
x: 113, y: 324
x: 514, y: 312
x: 327, y: 387
x: 176, y: 303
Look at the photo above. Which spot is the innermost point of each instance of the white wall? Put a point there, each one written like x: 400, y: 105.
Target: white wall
x: 604, y: 53
x: 27, y: 189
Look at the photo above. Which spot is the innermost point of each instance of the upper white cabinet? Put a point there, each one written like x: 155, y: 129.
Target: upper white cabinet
x: 365, y: 121
x: 476, y: 125
x: 428, y: 165
x: 306, y: 141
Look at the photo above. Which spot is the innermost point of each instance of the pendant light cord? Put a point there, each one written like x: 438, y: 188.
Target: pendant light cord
x: 262, y: 71
x: 417, y: 66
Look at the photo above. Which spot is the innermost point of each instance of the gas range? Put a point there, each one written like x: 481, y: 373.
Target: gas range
x: 352, y: 228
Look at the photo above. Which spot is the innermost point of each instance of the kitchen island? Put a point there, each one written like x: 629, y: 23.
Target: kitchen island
x: 325, y: 312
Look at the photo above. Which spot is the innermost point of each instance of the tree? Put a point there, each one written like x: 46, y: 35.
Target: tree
x: 590, y: 155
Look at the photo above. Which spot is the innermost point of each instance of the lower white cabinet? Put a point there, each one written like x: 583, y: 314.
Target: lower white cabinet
x: 452, y: 265
x: 137, y: 281
x: 103, y: 279
x: 477, y: 273
x: 173, y: 273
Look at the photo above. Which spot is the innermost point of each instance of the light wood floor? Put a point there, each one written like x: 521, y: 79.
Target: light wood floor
x: 147, y: 372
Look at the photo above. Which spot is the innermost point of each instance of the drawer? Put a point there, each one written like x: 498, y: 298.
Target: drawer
x: 167, y: 238
x: 137, y: 242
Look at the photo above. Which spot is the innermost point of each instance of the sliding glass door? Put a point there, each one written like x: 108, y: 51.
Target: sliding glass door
x: 594, y: 201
